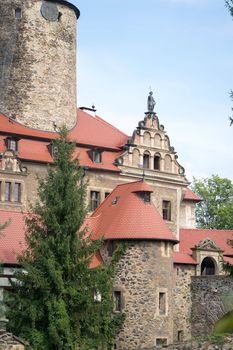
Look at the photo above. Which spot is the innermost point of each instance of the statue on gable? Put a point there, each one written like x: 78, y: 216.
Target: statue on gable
x: 150, y: 103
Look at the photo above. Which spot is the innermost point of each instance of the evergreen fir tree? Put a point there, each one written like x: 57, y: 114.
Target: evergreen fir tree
x: 52, y: 303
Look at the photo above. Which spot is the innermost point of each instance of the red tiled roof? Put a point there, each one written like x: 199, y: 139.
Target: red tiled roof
x: 89, y: 130
x: 182, y: 258
x: 189, y: 238
x: 95, y: 131
x: 124, y: 215
x: 96, y: 261
x: 189, y: 195
x: 12, y: 241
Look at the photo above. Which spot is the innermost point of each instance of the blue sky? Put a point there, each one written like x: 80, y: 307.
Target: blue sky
x: 183, y: 50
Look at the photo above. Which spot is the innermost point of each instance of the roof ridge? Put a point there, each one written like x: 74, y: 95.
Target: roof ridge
x: 206, y: 229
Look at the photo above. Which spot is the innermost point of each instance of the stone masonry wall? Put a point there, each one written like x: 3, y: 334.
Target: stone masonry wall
x: 182, y: 301
x: 211, y: 300
x: 144, y: 271
x: 37, y: 65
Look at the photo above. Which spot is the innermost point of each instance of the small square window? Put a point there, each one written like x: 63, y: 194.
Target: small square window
x: 166, y: 210
x: 94, y: 200
x: 161, y: 341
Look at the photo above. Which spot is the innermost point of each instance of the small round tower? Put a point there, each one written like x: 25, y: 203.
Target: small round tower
x: 38, y: 62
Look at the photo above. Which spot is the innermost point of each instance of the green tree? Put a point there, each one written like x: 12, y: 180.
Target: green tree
x: 215, y: 211
x: 52, y: 304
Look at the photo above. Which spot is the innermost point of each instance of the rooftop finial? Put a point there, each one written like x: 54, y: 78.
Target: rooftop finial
x: 150, y: 102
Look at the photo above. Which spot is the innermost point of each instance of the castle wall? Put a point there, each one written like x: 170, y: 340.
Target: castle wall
x: 37, y: 65
x: 182, y: 301
x: 211, y: 300
x: 144, y: 275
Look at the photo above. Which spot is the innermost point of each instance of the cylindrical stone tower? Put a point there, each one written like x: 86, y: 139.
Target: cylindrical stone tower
x: 38, y: 62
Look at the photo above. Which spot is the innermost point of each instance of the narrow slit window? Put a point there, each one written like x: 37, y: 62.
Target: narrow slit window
x: 162, y: 303
x: 117, y: 300
x: 146, y: 161
x: 18, y: 13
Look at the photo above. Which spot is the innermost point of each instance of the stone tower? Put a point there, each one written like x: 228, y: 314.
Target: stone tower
x: 38, y: 62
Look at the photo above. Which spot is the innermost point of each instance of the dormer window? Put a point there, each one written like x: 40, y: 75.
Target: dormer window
x: 12, y: 144
x: 96, y: 156
x: 146, y: 196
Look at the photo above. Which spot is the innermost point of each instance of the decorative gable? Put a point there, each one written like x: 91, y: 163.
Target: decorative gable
x: 207, y: 244
x: 150, y: 148
x: 9, y: 162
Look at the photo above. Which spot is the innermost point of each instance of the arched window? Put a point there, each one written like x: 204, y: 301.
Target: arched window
x: 146, y: 160
x: 146, y: 138
x: 157, y: 141
x: 157, y: 161
x: 207, y: 267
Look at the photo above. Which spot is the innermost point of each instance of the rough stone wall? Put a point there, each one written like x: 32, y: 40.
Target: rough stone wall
x: 182, y: 301
x: 144, y: 271
x: 37, y: 65
x: 211, y: 300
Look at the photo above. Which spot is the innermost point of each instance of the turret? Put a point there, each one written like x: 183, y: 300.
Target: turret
x: 38, y: 62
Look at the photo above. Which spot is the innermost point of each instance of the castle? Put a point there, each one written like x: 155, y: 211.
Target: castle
x: 137, y: 190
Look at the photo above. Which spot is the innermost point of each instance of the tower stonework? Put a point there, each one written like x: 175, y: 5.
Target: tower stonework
x: 38, y: 62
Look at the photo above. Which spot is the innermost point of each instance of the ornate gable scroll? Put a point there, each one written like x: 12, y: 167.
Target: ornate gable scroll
x: 207, y: 244
x: 9, y: 162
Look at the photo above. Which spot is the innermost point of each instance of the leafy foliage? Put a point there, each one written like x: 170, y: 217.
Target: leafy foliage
x: 215, y: 211
x: 229, y: 4
x: 52, y: 304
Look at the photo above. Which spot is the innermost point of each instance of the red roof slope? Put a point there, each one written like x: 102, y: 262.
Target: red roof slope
x: 190, y: 195
x: 182, y: 258
x: 12, y: 242
x: 125, y: 215
x: 88, y: 130
x: 189, y: 238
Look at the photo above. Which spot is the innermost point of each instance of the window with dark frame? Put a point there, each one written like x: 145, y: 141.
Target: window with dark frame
x: 162, y: 303
x: 156, y: 162
x: 0, y: 190
x: 17, y: 192
x: 12, y: 144
x: 7, y: 191
x: 146, y: 196
x: 94, y: 200
x: 117, y: 300
x: 166, y: 209
x: 97, y: 156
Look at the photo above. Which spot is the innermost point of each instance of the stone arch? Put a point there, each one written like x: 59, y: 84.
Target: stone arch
x: 157, y: 161
x: 146, y: 138
x: 136, y: 157
x: 208, y: 266
x: 158, y: 141
x: 167, y: 163
x: 146, y: 159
